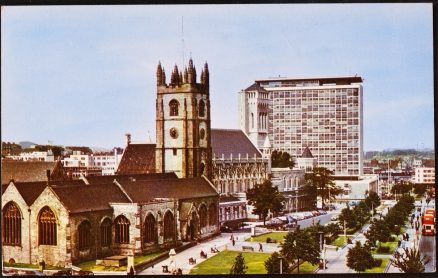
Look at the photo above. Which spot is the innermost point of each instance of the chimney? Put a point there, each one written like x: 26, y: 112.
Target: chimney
x: 48, y: 175
x: 128, y: 138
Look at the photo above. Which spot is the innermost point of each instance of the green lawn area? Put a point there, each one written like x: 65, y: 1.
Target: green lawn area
x: 91, y: 265
x: 306, y: 267
x: 339, y: 241
x: 32, y: 266
x: 222, y: 262
x: 391, y: 244
x: 380, y: 268
x: 279, y: 236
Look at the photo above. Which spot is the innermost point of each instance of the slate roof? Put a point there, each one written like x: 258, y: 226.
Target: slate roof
x: 307, y: 153
x: 81, y: 198
x: 144, y: 191
x: 138, y: 159
x: 111, y: 178
x: 255, y: 87
x: 26, y: 171
x: 232, y: 141
x: 28, y: 190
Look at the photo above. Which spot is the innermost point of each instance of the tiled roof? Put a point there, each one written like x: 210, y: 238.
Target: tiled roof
x: 144, y: 191
x: 111, y: 178
x: 138, y: 159
x: 307, y: 153
x: 255, y: 87
x: 225, y: 199
x: 28, y: 190
x: 81, y: 198
x: 232, y: 141
x: 27, y: 171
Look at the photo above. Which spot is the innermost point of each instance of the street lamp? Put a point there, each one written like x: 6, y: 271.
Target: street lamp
x: 321, y: 241
x: 172, y: 254
x: 281, y: 264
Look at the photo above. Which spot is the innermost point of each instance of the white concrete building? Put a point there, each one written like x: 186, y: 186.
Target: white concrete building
x: 34, y: 156
x: 324, y: 114
x: 78, y: 159
x: 356, y: 189
x: 108, y: 162
x: 424, y: 175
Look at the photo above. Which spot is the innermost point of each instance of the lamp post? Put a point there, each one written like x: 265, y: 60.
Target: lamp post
x: 172, y: 254
x: 281, y: 264
x: 321, y: 242
x: 345, y: 230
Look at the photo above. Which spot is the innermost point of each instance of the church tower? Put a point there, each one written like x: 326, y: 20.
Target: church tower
x: 183, y: 123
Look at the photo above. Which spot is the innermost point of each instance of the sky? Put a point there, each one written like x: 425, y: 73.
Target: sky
x: 85, y: 75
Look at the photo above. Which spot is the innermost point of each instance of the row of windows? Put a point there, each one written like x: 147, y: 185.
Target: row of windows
x: 174, y: 108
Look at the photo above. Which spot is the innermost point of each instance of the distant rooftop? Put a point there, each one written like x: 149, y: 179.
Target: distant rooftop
x: 341, y: 80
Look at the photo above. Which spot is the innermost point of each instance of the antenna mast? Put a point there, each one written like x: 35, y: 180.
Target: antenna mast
x: 182, y: 40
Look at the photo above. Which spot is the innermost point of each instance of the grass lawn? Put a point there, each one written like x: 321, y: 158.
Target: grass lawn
x: 222, y: 262
x: 144, y: 258
x: 32, y: 266
x: 339, y: 241
x: 279, y: 236
x: 380, y: 268
x: 306, y: 267
x: 391, y: 244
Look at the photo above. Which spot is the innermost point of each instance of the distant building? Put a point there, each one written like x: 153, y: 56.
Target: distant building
x: 34, y: 156
x: 424, y: 175
x: 108, y: 162
x: 232, y: 211
x: 324, y: 114
x: 306, y: 161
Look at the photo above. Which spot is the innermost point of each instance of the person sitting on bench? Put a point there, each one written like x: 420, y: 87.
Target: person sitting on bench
x: 192, y: 261
x: 203, y: 254
x: 214, y: 249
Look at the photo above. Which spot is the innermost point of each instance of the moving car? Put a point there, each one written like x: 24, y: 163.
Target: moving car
x: 226, y: 229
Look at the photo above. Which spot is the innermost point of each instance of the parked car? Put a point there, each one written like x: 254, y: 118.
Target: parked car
x: 321, y: 212
x: 315, y: 213
x: 307, y: 214
x: 298, y: 216
x: 226, y: 229
x: 275, y: 221
x: 291, y: 219
x: 334, y: 218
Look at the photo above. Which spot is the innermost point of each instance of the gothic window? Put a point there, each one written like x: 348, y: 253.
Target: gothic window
x: 212, y: 215
x: 203, y: 216
x: 201, y: 108
x: 11, y: 224
x: 122, y: 229
x: 169, y: 226
x: 150, y: 232
x: 173, y: 106
x: 84, y: 232
x: 46, y: 227
x: 105, y: 233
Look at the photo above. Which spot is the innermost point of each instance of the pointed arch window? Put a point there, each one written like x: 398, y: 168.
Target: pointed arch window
x: 212, y: 215
x: 47, y: 230
x: 173, y: 107
x: 105, y: 233
x: 169, y: 226
x: 122, y: 229
x: 11, y: 234
x: 150, y: 230
x: 203, y: 216
x: 84, y: 233
x: 201, y: 108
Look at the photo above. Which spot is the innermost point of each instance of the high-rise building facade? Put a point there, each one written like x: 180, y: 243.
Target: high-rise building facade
x: 324, y: 114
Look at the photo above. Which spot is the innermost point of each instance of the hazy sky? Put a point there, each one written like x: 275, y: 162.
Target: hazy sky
x: 85, y: 75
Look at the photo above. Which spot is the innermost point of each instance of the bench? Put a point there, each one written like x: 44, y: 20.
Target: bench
x: 165, y: 268
x: 247, y: 248
x: 192, y: 261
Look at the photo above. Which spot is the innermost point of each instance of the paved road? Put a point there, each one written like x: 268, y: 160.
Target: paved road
x: 428, y: 248
x: 323, y: 219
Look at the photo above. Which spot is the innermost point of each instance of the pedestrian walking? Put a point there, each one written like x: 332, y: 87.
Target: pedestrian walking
x: 407, y: 237
x: 404, y: 237
x: 399, y: 243
x: 233, y: 241
x: 260, y: 247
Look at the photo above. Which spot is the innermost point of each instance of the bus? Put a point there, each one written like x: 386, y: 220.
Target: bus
x: 428, y: 223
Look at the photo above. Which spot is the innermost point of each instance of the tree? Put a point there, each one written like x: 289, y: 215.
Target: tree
x: 281, y: 159
x: 272, y: 264
x: 420, y: 189
x: 300, y: 245
x: 322, y: 179
x: 378, y: 231
x: 359, y: 258
x: 401, y: 187
x: 372, y: 200
x: 239, y: 266
x: 361, y: 213
x: 348, y: 216
x: 410, y: 261
x: 265, y: 197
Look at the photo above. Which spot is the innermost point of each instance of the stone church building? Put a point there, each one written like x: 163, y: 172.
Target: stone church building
x: 160, y: 196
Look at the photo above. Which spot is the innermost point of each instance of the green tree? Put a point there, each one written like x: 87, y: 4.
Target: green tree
x: 348, y: 216
x: 300, y: 245
x: 410, y: 261
x: 281, y: 159
x: 378, y: 231
x: 321, y: 178
x: 359, y: 258
x: 361, y: 214
x: 272, y: 264
x: 265, y: 198
x: 420, y: 189
x: 372, y: 200
x: 239, y: 266
x: 401, y: 187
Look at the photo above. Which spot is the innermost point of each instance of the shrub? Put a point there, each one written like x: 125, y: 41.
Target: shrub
x: 377, y: 262
x: 268, y: 240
